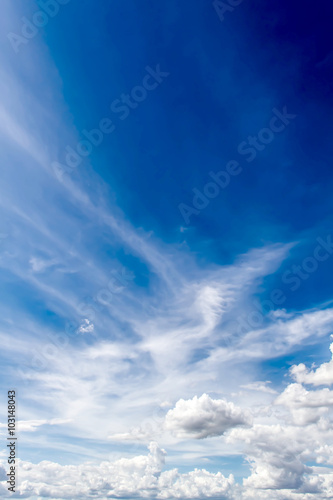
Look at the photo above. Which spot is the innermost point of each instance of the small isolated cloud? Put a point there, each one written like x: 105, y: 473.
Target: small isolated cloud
x: 205, y: 417
x: 86, y: 327
x: 40, y: 265
x: 166, y: 404
x: 260, y: 387
x: 322, y: 376
x: 135, y: 434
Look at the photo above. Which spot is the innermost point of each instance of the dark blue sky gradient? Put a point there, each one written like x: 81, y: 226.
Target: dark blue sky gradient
x: 225, y: 79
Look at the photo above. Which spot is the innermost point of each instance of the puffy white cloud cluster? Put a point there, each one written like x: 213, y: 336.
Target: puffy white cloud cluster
x: 140, y: 476
x: 282, y: 453
x: 195, y: 484
x: 204, y: 417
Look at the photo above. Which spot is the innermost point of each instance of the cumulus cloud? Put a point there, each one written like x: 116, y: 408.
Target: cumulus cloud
x: 195, y: 484
x: 322, y: 376
x: 205, y: 417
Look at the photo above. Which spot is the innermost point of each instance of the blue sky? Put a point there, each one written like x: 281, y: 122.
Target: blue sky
x: 167, y: 284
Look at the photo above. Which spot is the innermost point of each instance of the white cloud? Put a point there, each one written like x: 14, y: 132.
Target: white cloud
x: 322, y: 376
x: 205, y: 417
